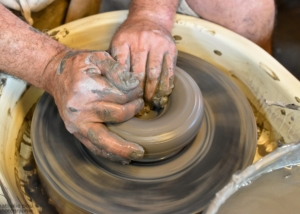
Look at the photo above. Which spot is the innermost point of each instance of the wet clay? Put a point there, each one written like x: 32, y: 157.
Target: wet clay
x: 185, y: 183
x: 276, y: 192
x: 172, y: 129
x: 2, y: 84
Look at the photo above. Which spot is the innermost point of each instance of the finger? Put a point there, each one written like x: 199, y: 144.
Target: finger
x: 121, y: 54
x: 138, y: 65
x: 115, y: 113
x: 116, y: 73
x: 166, y: 83
x: 103, y: 139
x: 154, y: 66
x: 100, y: 152
x: 108, y: 93
x: 167, y: 78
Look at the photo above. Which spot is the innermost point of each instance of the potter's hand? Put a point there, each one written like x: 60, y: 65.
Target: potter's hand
x: 90, y: 88
x: 147, y: 49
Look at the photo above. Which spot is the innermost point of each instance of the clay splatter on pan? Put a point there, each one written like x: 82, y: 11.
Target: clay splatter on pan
x: 269, y: 71
x: 219, y: 53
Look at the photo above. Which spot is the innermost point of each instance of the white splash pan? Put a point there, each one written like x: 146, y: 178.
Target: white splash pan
x: 261, y: 76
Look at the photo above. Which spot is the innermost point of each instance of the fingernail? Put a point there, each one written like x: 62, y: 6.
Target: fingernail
x: 136, y: 155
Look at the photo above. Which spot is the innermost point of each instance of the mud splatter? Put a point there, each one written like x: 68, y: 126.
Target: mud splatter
x: 283, y: 105
x: 219, y: 53
x: 9, y: 112
x: 62, y: 63
x: 2, y: 84
x: 177, y: 38
x: 72, y: 109
x: 53, y: 33
x: 269, y: 71
x: 56, y: 35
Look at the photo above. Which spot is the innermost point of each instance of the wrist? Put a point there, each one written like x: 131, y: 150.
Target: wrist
x: 163, y: 13
x: 51, y: 70
x: 166, y: 23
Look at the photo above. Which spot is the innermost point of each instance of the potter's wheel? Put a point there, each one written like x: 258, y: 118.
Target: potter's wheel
x: 184, y: 183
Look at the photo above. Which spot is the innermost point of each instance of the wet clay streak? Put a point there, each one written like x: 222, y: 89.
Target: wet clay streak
x: 200, y: 28
x: 2, y: 84
x: 58, y: 34
x: 53, y: 33
x: 269, y: 71
x: 219, y: 53
x: 283, y: 105
x: 62, y: 63
x: 267, y: 136
x: 177, y: 38
x: 73, y: 109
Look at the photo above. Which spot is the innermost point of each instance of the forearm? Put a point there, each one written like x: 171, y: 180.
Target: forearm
x: 161, y: 12
x: 24, y: 51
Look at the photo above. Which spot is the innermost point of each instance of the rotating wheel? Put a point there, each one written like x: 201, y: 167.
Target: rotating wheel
x: 184, y: 182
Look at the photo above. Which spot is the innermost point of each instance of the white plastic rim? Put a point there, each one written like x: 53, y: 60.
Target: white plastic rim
x: 261, y: 76
x: 285, y: 156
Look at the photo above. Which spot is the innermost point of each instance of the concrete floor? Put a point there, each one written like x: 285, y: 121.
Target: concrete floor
x: 286, y: 37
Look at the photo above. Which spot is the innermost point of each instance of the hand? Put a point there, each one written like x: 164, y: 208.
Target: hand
x: 90, y: 88
x: 149, y: 51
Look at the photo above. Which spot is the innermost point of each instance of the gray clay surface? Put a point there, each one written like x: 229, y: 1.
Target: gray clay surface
x: 184, y: 183
x: 173, y: 128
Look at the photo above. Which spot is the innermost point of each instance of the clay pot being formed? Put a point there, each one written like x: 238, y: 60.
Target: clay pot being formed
x: 173, y: 127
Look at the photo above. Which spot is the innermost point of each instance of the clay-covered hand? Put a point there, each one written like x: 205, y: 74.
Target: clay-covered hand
x: 148, y: 50
x: 90, y: 88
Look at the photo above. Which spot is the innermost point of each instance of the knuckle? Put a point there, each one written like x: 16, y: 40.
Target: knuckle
x: 71, y: 127
x: 121, y: 114
x: 123, y: 98
x: 154, y: 73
